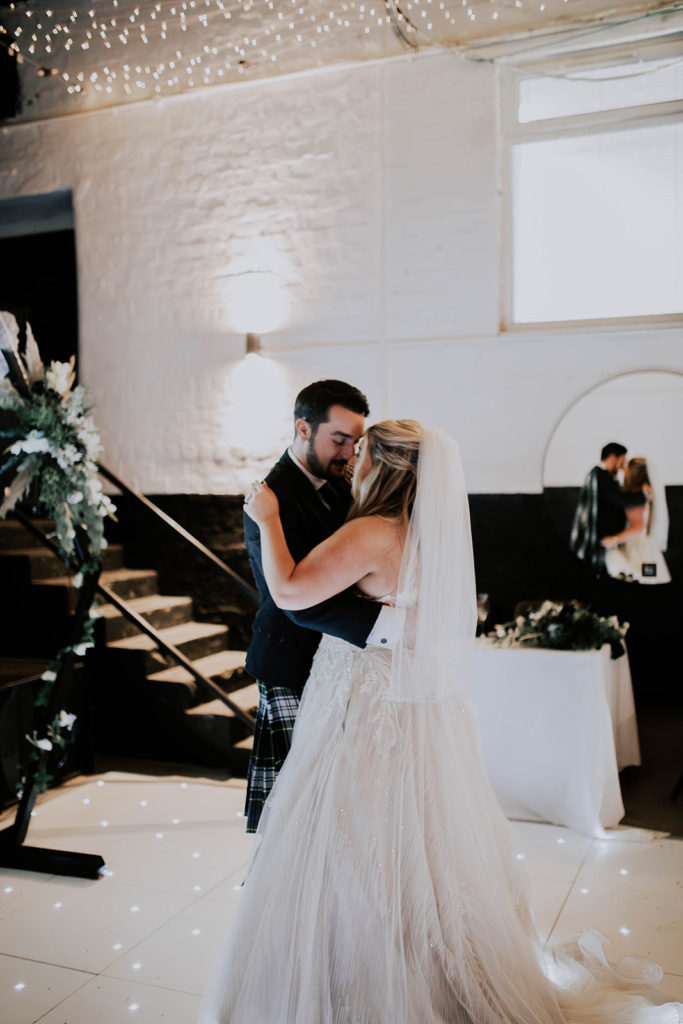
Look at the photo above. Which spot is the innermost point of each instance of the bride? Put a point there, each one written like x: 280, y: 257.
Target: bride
x: 384, y: 889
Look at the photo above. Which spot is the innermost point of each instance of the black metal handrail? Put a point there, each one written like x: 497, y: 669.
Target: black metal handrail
x: 173, y: 651
x: 240, y: 583
x: 147, y: 628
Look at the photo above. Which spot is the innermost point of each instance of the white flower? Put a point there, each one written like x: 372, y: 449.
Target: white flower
x: 59, y: 377
x: 34, y: 441
x: 66, y: 720
x: 48, y: 676
x: 107, y: 506
x: 81, y: 648
x: 95, y: 612
x: 43, y: 744
x: 67, y: 456
x: 77, y: 581
x: 500, y: 632
x: 75, y: 498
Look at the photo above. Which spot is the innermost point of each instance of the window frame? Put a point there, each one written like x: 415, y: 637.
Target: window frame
x: 601, y: 122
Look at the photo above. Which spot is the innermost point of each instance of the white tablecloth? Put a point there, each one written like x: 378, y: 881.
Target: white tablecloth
x: 556, y: 726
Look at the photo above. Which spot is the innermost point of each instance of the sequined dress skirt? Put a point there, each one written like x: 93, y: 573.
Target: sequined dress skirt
x: 385, y: 890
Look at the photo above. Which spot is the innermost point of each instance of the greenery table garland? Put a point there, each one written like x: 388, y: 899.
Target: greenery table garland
x: 563, y: 626
x: 52, y: 448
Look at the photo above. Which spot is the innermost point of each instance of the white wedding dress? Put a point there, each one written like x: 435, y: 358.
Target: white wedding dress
x: 639, y: 557
x: 385, y: 889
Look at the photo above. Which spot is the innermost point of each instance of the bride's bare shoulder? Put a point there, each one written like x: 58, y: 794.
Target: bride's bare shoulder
x: 377, y: 530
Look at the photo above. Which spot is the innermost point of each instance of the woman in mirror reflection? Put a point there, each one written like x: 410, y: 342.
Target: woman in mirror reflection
x: 385, y: 889
x: 636, y: 552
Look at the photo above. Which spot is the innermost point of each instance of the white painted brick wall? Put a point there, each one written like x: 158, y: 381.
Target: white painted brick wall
x: 368, y: 198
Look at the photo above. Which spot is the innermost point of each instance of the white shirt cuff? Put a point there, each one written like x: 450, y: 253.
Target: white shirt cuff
x: 388, y: 628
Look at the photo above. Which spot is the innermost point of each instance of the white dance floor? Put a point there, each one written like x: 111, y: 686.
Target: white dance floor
x: 137, y: 944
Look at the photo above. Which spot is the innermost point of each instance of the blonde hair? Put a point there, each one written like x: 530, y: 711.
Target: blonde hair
x: 388, y: 489
x: 635, y: 474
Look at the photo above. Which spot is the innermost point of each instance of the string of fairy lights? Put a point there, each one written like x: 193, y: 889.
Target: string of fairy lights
x: 106, y: 47
x: 128, y: 49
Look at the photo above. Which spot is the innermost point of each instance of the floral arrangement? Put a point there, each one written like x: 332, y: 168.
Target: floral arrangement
x: 56, y: 442
x: 568, y: 626
x: 53, y: 444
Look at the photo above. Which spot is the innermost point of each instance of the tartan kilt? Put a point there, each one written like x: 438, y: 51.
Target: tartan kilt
x: 275, y: 717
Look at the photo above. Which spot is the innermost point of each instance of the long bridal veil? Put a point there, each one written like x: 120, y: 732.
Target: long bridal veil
x: 436, y: 583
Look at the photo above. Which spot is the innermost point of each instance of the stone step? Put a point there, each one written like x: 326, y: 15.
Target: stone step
x: 193, y: 639
x: 14, y: 535
x: 221, y: 666
x: 126, y: 583
x: 178, y: 688
x: 246, y: 699
x: 34, y: 564
x: 160, y: 610
x: 218, y: 733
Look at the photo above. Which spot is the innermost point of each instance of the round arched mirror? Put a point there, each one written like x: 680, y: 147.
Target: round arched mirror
x: 643, y: 413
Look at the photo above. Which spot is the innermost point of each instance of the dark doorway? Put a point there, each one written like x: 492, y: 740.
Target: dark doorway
x: 38, y: 283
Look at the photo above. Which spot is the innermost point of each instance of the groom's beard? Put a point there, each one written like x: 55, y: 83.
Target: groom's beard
x: 334, y: 470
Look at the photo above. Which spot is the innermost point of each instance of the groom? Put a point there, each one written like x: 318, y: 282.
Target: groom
x: 311, y: 487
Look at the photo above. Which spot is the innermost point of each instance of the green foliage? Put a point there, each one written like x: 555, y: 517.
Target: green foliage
x: 564, y: 627
x: 54, y: 440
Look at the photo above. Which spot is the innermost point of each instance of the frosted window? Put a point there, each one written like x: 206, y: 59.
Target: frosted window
x: 598, y: 225
x: 544, y: 98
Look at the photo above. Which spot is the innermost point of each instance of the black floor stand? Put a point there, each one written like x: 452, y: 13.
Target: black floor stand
x: 13, y: 852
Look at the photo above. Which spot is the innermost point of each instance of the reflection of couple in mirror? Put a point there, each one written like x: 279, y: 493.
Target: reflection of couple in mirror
x: 622, y: 529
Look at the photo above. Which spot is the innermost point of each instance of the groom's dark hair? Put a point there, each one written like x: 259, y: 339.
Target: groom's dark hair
x: 613, y: 448
x: 314, y: 402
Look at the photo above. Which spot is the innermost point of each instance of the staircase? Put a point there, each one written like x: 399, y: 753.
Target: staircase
x: 145, y: 706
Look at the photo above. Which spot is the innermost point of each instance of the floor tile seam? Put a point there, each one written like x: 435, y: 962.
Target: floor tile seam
x: 48, y: 963
x: 620, y: 889
x: 572, y: 883
x: 149, y: 984
x: 124, y: 830
x: 149, y: 935
x: 551, y: 878
x: 214, y: 900
x: 558, y: 914
x: 570, y: 890
x: 193, y: 896
x: 61, y: 1001
x: 108, y: 883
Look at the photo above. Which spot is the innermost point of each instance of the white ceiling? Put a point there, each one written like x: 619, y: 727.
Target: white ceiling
x: 85, y: 56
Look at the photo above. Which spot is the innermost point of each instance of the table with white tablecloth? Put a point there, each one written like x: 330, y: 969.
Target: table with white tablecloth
x: 556, y: 727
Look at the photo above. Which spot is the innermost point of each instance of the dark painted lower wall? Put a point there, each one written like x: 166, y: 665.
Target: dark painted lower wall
x: 519, y: 554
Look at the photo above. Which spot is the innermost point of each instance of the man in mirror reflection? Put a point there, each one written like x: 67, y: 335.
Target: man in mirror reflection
x: 601, y: 511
